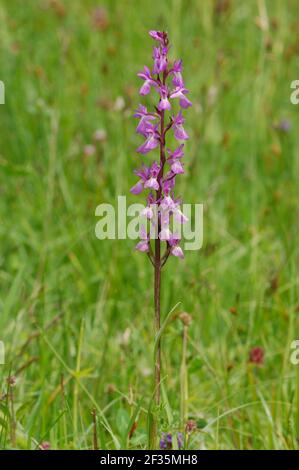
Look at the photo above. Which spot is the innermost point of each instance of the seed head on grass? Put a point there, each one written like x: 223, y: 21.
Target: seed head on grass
x: 256, y: 356
x: 11, y: 381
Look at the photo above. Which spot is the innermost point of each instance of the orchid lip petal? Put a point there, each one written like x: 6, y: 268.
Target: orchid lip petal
x: 152, y: 183
x: 137, y: 188
x: 177, y: 251
x: 142, y: 246
x: 177, y: 168
x: 164, y: 104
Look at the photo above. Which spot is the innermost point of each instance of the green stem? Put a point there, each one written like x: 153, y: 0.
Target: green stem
x: 184, y: 379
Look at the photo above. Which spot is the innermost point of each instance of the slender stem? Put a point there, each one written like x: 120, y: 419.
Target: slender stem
x: 94, y: 425
x: 13, y: 418
x: 184, y: 379
x: 157, y: 276
x: 157, y: 286
x: 157, y: 318
x: 165, y: 256
x: 150, y: 254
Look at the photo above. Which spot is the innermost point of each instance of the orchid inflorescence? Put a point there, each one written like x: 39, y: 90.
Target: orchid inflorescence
x: 159, y: 177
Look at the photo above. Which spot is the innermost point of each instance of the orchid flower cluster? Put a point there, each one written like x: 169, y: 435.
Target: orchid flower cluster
x: 159, y: 177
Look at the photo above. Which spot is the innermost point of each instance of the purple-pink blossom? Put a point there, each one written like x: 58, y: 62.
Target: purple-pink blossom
x: 152, y: 139
x: 179, y: 131
x: 145, y: 118
x: 164, y: 101
x: 148, y: 81
x: 180, y: 92
x: 160, y: 59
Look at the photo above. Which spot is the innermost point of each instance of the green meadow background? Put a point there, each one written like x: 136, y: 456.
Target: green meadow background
x: 76, y: 313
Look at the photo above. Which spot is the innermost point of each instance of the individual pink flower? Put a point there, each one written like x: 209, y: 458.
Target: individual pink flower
x: 167, y: 203
x: 174, y: 160
x: 137, y: 188
x: 159, y: 36
x: 164, y: 101
x: 179, y: 215
x: 177, y: 168
x: 168, y: 183
x: 148, y: 178
x: 144, y: 174
x: 179, y: 131
x: 148, y: 81
x: 177, y: 73
x: 176, y: 250
x: 176, y: 154
x: 143, y: 245
x: 160, y: 59
x: 152, y: 139
x: 152, y: 182
x: 180, y: 92
x: 145, y: 118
